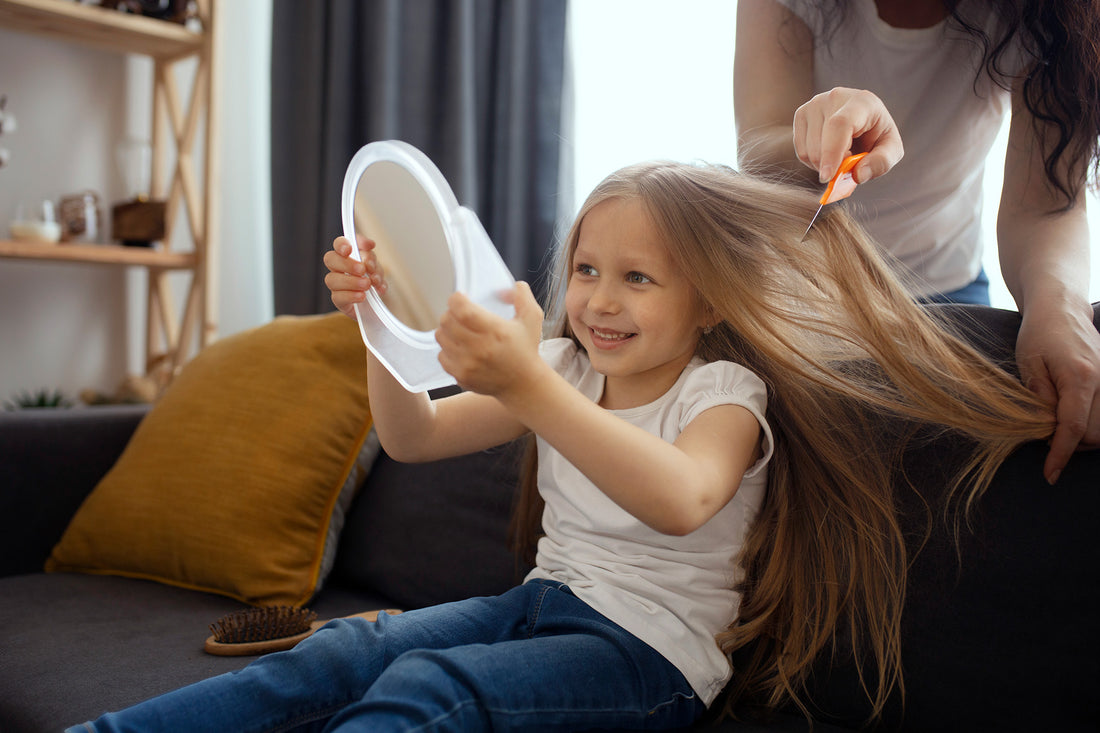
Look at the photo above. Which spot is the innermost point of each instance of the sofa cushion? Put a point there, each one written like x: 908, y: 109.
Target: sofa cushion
x: 76, y: 646
x: 237, y: 480
x: 429, y: 533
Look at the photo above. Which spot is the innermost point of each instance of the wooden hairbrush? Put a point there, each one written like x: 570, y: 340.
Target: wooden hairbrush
x: 269, y: 629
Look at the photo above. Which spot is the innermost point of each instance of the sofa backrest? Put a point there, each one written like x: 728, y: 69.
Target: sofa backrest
x: 422, y: 534
x: 999, y: 628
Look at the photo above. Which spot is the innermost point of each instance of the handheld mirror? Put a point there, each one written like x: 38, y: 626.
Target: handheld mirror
x: 430, y: 247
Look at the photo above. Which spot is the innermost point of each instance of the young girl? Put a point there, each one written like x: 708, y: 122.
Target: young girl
x: 703, y: 409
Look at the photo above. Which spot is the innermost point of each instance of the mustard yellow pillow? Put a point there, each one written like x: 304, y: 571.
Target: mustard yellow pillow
x: 237, y: 480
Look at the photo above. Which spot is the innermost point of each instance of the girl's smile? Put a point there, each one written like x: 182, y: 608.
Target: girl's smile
x: 630, y: 306
x: 603, y: 339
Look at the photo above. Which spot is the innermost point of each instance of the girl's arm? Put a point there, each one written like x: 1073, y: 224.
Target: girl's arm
x: 673, y: 488
x: 411, y: 427
x: 779, y: 125
x: 1044, y: 257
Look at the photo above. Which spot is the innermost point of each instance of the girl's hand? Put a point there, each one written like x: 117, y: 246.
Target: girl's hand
x: 488, y: 354
x: 842, y: 122
x: 349, y: 279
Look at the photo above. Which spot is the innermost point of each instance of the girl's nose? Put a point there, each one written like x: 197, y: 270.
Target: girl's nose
x: 603, y: 298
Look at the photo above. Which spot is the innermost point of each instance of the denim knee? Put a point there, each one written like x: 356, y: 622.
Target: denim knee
x: 420, y: 690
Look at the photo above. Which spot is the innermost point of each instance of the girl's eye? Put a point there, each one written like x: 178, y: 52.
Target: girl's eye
x: 637, y: 278
x: 583, y: 269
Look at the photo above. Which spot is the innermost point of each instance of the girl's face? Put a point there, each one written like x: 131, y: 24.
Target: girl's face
x: 630, y: 306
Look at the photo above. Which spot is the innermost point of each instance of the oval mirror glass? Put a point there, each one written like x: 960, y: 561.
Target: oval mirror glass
x: 394, y: 210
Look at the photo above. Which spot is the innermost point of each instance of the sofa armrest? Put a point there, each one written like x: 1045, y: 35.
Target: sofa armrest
x: 50, y: 461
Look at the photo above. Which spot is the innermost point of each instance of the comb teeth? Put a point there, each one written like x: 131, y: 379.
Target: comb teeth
x: 261, y: 624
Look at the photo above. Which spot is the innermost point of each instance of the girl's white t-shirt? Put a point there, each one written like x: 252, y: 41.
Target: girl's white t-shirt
x: 674, y: 593
x: 927, y: 211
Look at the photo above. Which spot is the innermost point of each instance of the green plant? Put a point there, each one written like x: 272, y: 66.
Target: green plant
x: 40, y: 398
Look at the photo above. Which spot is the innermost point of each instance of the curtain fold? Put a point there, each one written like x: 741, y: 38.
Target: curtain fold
x: 478, y: 85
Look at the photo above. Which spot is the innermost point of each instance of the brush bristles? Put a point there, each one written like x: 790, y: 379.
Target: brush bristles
x: 261, y: 624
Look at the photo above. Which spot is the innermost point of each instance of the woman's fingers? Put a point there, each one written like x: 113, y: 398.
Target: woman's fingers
x: 840, y: 122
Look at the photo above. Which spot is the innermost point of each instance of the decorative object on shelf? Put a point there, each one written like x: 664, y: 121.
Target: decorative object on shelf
x: 135, y: 158
x: 44, y: 229
x: 7, y: 124
x: 177, y: 11
x: 139, y: 221
x: 42, y: 398
x: 79, y: 217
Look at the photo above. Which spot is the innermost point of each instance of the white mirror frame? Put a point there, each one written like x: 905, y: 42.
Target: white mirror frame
x: 412, y: 356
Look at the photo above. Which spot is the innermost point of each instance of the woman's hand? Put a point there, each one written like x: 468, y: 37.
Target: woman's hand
x: 488, y: 354
x: 1059, y: 358
x: 349, y: 279
x: 842, y: 122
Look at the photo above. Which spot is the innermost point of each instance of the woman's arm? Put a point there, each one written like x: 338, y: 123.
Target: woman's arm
x: 772, y: 77
x: 672, y: 487
x: 1044, y: 257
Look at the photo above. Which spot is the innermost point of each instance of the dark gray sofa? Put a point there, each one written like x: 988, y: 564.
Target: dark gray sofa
x: 1000, y: 633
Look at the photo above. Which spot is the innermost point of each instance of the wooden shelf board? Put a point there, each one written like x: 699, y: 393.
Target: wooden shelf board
x: 101, y: 254
x: 99, y: 27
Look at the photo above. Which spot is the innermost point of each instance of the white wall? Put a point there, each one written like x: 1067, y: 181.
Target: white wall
x: 654, y: 79
x: 68, y: 326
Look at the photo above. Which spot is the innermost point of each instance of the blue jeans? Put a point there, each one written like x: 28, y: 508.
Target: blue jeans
x: 534, y: 658
x: 976, y: 293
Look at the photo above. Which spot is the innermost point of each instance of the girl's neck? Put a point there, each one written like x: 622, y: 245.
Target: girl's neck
x: 911, y: 13
x: 628, y: 392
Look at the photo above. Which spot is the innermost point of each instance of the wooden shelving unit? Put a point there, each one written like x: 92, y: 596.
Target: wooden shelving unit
x: 93, y: 26
x: 177, y: 176
x: 98, y: 254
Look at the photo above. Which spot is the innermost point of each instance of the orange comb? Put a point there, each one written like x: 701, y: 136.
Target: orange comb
x: 840, y: 187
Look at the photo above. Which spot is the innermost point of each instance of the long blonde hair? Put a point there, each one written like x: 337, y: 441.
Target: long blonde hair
x: 845, y: 353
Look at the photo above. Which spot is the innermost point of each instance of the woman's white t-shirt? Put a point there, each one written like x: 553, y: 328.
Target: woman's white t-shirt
x: 674, y: 593
x: 927, y: 211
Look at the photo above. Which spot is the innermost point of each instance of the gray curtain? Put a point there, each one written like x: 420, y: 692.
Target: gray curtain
x: 476, y: 84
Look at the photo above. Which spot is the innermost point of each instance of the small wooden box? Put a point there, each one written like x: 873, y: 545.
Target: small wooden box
x: 138, y: 223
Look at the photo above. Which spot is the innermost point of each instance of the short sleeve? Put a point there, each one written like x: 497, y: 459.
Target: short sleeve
x: 558, y: 353
x: 725, y: 383
x: 571, y: 362
x: 808, y: 12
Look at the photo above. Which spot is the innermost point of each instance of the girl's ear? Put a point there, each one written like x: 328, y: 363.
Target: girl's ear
x: 710, y: 319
